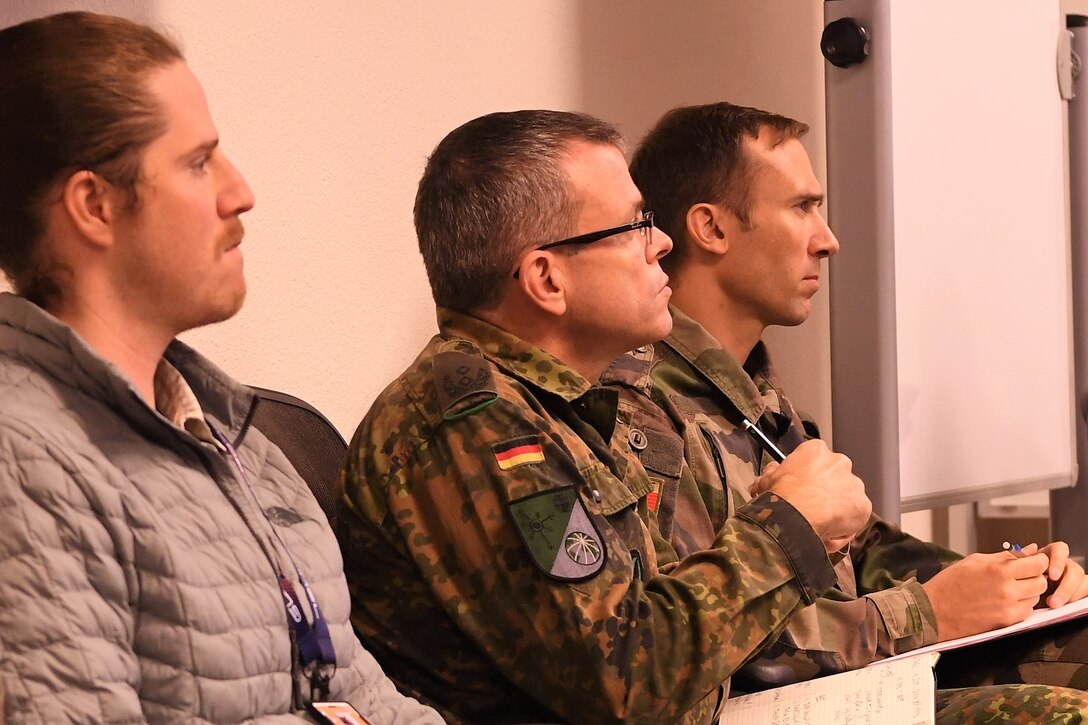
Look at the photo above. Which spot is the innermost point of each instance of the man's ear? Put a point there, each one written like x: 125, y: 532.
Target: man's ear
x: 543, y: 282
x: 92, y: 205
x: 708, y: 227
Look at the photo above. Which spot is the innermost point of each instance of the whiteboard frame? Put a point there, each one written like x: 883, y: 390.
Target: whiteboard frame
x: 913, y: 451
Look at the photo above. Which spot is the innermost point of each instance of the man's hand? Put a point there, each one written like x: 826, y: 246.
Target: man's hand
x: 987, y: 591
x: 820, y: 485
x: 1068, y: 574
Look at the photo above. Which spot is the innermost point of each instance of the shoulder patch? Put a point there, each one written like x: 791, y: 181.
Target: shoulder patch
x: 561, y: 538
x: 464, y: 383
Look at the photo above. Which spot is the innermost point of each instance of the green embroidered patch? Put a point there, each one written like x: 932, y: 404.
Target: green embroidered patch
x: 561, y: 538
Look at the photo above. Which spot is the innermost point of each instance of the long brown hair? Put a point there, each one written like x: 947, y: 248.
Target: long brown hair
x: 73, y: 96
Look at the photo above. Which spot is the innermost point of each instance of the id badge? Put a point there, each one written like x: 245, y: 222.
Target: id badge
x: 337, y: 713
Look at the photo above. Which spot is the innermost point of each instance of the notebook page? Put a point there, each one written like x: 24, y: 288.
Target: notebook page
x: 900, y: 692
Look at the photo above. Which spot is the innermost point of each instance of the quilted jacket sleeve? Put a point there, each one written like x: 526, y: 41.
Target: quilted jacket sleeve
x: 65, y: 625
x: 379, y: 698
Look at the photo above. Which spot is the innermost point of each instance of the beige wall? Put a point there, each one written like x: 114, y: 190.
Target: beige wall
x: 643, y: 57
x: 330, y: 113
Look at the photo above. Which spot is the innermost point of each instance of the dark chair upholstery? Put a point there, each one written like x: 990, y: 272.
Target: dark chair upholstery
x: 311, y: 443
x: 761, y: 674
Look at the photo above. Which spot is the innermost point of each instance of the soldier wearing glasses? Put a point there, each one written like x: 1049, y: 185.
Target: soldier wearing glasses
x: 498, y: 563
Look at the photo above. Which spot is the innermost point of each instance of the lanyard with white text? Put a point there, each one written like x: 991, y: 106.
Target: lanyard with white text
x: 314, y: 642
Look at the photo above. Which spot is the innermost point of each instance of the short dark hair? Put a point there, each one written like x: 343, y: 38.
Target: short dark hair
x: 695, y: 154
x: 492, y: 189
x: 73, y: 96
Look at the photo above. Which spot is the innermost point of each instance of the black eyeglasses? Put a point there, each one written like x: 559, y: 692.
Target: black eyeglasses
x: 644, y: 225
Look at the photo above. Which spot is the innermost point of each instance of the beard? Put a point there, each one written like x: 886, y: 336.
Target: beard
x: 173, y: 290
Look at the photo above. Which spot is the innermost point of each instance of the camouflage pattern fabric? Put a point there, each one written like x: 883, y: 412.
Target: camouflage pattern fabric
x: 1056, y: 655
x: 690, y: 406
x: 1012, y: 704
x: 500, y: 567
x: 700, y: 396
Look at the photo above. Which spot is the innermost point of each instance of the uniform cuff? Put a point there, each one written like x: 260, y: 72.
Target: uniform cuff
x: 802, y: 547
x: 908, y: 615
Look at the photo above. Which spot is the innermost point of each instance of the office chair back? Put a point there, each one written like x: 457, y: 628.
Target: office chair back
x: 311, y: 443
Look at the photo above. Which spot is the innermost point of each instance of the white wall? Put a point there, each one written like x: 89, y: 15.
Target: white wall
x: 331, y: 114
x: 330, y: 109
x: 643, y: 57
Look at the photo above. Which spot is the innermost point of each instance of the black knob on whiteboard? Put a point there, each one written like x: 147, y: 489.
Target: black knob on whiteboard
x: 845, y: 42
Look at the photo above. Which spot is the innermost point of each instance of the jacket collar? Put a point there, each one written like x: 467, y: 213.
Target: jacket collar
x: 32, y: 335
x: 515, y: 356
x: 752, y: 388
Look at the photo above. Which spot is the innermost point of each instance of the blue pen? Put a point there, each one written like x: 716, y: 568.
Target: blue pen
x: 1013, y: 549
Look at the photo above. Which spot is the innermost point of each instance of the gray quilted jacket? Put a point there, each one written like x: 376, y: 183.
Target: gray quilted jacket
x: 132, y: 586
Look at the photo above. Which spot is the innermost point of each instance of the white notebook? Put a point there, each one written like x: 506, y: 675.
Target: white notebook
x: 897, y: 692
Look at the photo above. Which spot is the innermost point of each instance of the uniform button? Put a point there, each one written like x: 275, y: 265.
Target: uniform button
x: 637, y: 439
x: 642, y: 348
x: 596, y: 495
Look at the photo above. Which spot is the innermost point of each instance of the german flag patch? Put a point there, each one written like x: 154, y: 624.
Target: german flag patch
x: 518, y: 452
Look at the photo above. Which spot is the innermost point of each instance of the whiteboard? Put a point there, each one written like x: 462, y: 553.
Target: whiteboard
x: 951, y: 312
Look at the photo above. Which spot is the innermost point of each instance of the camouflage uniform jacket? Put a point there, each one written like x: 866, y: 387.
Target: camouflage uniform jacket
x: 500, y: 568
x: 703, y: 464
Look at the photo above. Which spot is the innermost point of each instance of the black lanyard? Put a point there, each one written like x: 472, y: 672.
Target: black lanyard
x: 314, y: 641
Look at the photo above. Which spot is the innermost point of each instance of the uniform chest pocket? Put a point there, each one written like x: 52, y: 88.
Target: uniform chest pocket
x: 626, y: 542
x: 714, y: 476
x: 662, y: 455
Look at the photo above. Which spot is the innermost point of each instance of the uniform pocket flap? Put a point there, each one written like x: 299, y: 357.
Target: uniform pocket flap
x: 663, y: 454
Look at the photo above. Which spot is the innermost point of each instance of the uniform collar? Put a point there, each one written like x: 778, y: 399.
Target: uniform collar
x: 752, y: 388
x: 633, y: 370
x: 518, y: 358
